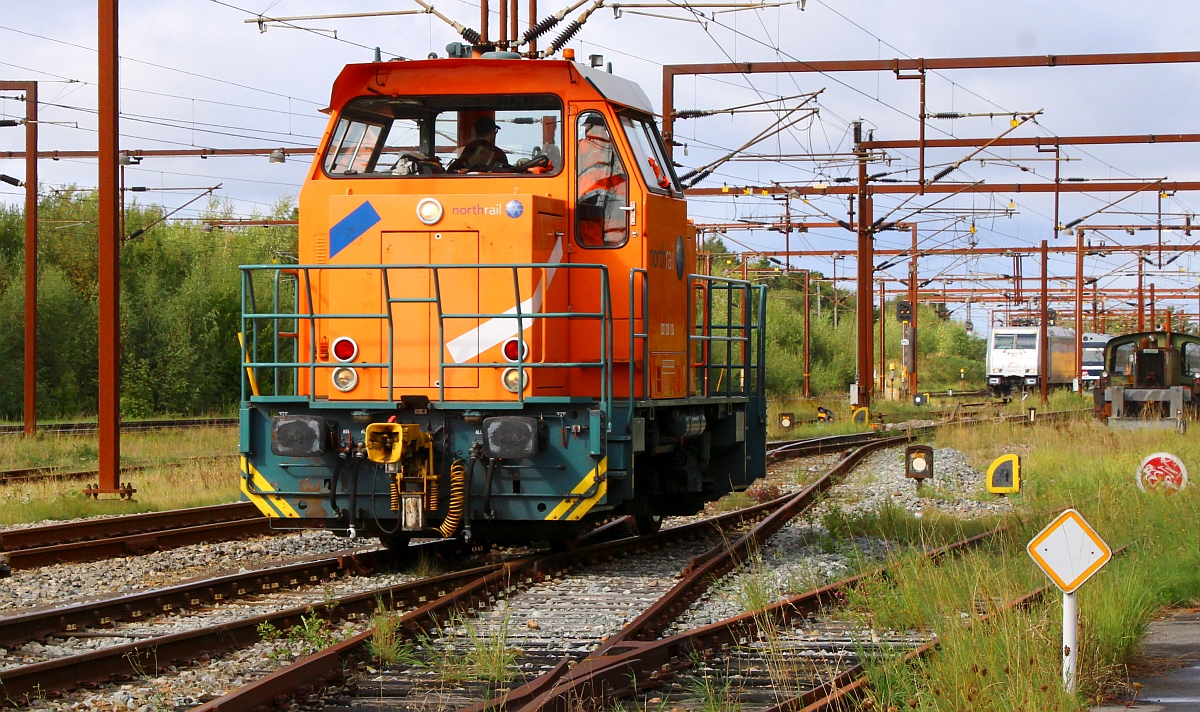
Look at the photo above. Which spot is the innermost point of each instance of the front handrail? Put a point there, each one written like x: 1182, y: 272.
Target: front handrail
x: 742, y: 336
x: 303, y: 275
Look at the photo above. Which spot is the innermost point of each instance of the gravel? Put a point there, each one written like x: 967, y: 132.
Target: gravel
x: 956, y: 489
x: 51, y: 584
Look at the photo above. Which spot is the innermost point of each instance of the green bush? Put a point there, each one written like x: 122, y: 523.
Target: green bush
x: 180, y: 310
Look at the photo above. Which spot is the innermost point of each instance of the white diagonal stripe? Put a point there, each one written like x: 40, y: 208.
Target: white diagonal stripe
x: 497, y: 330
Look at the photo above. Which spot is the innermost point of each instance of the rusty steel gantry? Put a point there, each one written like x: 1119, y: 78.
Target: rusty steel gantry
x: 916, y: 69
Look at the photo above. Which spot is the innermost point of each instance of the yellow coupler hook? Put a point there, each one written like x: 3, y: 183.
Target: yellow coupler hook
x: 407, y: 454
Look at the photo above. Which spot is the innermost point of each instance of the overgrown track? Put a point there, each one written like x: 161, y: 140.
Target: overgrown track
x: 313, y: 672
x: 108, y: 537
x: 430, y: 599
x: 26, y: 474
x: 128, y: 426
x: 850, y: 686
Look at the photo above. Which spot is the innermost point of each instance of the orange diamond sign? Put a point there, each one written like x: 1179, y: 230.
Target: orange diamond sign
x: 1069, y: 551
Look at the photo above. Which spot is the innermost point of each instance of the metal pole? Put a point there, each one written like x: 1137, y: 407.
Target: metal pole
x: 912, y: 298
x: 533, y: 19
x: 513, y: 20
x: 1079, y: 305
x: 31, y: 247
x: 1070, y: 652
x: 1153, y: 315
x: 866, y: 263
x: 882, y: 338
x: 1044, y: 333
x: 484, y: 15
x: 807, y: 341
x: 31, y: 257
x: 109, y: 254
x: 1141, y: 307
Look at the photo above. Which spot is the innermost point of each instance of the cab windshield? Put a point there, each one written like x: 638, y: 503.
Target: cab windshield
x: 446, y: 136
x: 1015, y: 341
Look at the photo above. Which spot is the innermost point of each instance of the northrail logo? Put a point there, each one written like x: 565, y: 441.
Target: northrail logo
x: 496, y: 209
x: 665, y: 258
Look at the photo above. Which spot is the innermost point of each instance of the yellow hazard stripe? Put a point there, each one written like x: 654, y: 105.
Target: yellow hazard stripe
x: 576, y: 503
x: 270, y: 505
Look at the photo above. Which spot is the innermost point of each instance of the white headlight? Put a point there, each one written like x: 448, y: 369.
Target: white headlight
x: 429, y: 211
x: 514, y: 379
x: 344, y: 379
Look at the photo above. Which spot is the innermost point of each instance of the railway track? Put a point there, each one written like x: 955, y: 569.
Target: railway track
x: 128, y: 426
x: 28, y: 474
x: 425, y: 602
x: 696, y: 545
x: 129, y: 534
x: 653, y: 588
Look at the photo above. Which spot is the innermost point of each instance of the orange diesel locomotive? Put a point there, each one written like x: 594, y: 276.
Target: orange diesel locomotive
x: 492, y: 331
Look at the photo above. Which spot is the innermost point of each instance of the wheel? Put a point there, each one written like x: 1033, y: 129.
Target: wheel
x: 395, y: 542
x: 648, y: 523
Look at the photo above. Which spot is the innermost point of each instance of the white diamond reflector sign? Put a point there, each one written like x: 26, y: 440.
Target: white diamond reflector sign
x: 1069, y: 551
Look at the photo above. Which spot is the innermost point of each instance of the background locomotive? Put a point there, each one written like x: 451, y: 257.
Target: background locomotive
x: 492, y: 331
x: 1152, y: 380
x: 1014, y: 359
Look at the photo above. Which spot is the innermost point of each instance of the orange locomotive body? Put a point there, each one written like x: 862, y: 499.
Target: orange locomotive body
x: 493, y: 329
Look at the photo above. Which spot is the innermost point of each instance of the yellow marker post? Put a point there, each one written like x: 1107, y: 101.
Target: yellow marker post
x: 1004, y: 475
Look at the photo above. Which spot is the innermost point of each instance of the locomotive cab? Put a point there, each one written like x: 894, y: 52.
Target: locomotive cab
x: 494, y: 282
x: 1152, y: 379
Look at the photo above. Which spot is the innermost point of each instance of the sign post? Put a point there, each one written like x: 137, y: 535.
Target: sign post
x: 1069, y: 551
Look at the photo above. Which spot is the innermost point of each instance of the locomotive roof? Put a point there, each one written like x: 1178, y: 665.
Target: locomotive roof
x: 1158, y: 337
x: 486, y: 76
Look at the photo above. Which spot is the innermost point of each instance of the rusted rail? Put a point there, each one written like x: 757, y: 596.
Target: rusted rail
x: 128, y: 426
x: 26, y: 474
x: 433, y: 598
x: 703, y: 570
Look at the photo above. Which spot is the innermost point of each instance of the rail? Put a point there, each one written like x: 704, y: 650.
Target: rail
x: 524, y: 314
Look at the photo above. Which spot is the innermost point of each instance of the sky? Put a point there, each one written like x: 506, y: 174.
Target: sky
x: 195, y: 74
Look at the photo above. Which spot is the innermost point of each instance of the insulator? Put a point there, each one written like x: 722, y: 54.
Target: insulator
x: 943, y: 173
x: 470, y: 35
x: 699, y: 177
x: 540, y: 29
x: 946, y: 115
x: 564, y: 37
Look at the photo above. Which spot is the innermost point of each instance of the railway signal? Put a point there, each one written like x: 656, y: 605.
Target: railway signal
x: 1004, y: 475
x: 903, y: 311
x: 918, y: 462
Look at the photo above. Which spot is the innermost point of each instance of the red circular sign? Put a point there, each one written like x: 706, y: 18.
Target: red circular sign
x: 1162, y: 472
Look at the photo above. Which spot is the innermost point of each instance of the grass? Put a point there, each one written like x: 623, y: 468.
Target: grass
x: 208, y: 481
x: 485, y: 655
x: 1012, y: 662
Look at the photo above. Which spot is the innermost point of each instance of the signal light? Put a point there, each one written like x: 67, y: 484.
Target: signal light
x: 514, y: 379
x: 429, y: 211
x: 514, y: 350
x: 345, y: 348
x: 344, y: 379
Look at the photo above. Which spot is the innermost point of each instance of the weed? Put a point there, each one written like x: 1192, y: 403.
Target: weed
x: 386, y: 644
x: 755, y: 586
x: 487, y: 656
x: 269, y: 632
x: 715, y: 693
x: 313, y: 633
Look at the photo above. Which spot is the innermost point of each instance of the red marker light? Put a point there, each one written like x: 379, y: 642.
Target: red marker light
x: 513, y: 349
x: 344, y: 348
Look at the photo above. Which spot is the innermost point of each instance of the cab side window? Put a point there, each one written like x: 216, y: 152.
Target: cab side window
x: 602, y: 192
x: 1191, y: 359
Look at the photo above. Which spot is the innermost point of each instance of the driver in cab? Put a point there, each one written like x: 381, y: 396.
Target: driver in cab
x: 481, y: 153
